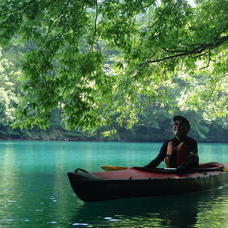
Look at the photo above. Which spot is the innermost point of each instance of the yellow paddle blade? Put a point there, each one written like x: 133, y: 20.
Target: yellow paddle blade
x: 113, y: 168
x: 225, y: 169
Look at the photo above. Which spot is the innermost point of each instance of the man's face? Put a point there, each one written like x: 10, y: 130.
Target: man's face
x: 180, y: 129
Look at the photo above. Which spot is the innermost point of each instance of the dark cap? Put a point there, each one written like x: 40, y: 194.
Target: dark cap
x: 183, y: 119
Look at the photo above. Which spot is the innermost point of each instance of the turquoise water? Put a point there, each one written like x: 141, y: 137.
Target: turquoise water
x: 35, y: 192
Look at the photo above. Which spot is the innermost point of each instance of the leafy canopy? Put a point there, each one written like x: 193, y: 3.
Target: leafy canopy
x: 96, y: 59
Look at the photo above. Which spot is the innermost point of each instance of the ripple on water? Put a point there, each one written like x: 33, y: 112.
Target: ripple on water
x: 80, y: 224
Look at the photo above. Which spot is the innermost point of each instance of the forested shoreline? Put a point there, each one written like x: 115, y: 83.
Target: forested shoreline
x: 212, y: 133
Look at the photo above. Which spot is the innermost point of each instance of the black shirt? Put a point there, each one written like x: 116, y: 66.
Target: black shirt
x: 191, y: 150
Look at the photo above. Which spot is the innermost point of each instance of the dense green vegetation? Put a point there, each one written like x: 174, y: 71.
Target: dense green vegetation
x: 119, y: 69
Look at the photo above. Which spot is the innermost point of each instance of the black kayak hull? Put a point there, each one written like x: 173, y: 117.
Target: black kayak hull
x: 89, y: 187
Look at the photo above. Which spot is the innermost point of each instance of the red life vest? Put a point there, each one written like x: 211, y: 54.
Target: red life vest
x: 181, y: 154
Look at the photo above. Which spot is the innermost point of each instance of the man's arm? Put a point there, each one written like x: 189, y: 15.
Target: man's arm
x: 168, y: 154
x: 160, y: 157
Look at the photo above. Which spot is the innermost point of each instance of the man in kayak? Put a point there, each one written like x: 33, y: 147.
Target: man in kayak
x: 180, y: 152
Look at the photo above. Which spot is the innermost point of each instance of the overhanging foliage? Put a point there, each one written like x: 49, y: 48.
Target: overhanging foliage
x: 97, y: 59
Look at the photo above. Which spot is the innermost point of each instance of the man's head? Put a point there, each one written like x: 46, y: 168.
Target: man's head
x: 181, y: 127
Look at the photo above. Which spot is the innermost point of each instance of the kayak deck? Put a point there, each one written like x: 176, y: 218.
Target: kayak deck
x: 145, y: 173
x: 134, y: 173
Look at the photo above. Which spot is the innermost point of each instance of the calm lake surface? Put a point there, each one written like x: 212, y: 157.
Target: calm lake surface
x: 35, y: 192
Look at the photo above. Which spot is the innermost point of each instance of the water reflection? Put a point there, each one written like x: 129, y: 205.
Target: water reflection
x: 35, y: 191
x: 170, y: 211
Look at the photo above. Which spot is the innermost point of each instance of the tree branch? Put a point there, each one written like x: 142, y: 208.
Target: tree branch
x: 184, y: 53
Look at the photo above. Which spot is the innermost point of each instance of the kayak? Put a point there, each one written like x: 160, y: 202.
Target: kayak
x: 145, y: 182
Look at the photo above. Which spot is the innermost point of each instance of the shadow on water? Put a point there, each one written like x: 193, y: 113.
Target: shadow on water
x: 163, y: 211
